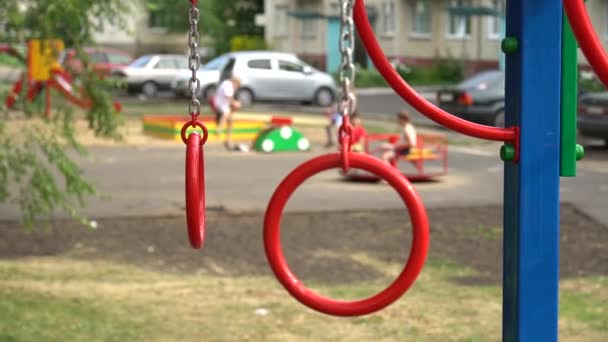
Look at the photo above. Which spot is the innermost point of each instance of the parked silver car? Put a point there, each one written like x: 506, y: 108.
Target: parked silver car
x: 208, y: 75
x: 269, y: 76
x: 151, y: 73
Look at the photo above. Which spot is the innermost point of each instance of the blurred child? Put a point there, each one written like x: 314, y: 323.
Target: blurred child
x: 225, y: 104
x: 359, y: 134
x: 335, y: 121
x: 401, y: 148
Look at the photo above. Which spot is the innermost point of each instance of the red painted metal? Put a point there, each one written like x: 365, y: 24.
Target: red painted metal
x: 346, y: 134
x: 281, y: 121
x: 196, y: 123
x: 47, y: 100
x: 195, y: 190
x: 62, y: 81
x: 11, y: 98
x: 195, y: 182
x: 276, y: 258
x: 411, y: 96
x: 587, y: 38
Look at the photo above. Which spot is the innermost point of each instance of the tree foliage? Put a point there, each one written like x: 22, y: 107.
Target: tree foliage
x: 221, y: 20
x: 37, y: 171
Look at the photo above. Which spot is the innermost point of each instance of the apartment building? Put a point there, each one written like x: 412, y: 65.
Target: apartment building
x: 143, y: 32
x: 414, y: 31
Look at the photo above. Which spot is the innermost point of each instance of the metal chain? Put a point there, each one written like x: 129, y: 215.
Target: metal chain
x: 347, y: 46
x: 194, y: 61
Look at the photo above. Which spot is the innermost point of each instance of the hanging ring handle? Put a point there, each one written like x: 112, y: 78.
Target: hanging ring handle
x: 345, y: 132
x: 195, y: 183
x: 194, y: 123
x: 587, y: 38
x: 278, y: 263
x: 416, y: 100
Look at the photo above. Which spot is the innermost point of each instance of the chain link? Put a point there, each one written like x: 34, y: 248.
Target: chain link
x: 194, y: 61
x: 347, y: 67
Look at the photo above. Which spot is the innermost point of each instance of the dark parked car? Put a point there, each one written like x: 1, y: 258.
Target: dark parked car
x: 479, y: 99
x: 593, y: 115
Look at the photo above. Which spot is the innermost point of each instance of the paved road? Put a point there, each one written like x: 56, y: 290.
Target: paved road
x: 373, y: 103
x: 380, y: 103
x: 149, y: 181
x: 384, y: 102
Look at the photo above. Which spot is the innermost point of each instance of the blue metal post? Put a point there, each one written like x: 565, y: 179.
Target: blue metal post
x: 531, y: 223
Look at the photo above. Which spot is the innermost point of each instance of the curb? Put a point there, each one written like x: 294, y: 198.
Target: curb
x: 320, y: 121
x: 389, y: 90
x: 298, y: 119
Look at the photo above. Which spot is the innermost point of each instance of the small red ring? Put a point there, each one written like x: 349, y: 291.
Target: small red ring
x: 276, y: 258
x: 345, y: 133
x: 195, y: 191
x: 195, y: 124
x: 344, y: 153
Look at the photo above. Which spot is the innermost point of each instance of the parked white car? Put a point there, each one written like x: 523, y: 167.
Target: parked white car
x: 265, y: 76
x: 151, y: 73
x: 208, y: 75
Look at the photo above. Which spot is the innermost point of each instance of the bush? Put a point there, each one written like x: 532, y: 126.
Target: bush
x: 368, y: 78
x: 444, y: 70
x: 589, y: 83
x: 447, y: 69
x: 10, y: 61
x: 245, y: 42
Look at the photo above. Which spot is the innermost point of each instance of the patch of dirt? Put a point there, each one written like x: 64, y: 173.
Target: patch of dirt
x: 470, y: 237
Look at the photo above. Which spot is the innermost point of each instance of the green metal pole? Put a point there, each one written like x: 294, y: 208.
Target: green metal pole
x: 570, y: 151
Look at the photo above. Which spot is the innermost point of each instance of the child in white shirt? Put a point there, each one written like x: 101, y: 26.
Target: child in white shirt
x: 224, y: 105
x: 392, y: 151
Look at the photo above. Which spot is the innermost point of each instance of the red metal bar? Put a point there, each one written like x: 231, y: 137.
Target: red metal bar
x: 587, y: 38
x: 47, y: 100
x: 11, y: 98
x: 411, y: 96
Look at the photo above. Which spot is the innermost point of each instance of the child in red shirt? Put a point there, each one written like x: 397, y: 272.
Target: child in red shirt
x: 359, y: 134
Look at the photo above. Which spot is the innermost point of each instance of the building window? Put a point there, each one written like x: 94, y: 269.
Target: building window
x: 459, y: 26
x: 388, y: 17
x: 309, y: 29
x: 495, y: 29
x: 421, y: 18
x: 280, y: 20
x: 158, y: 20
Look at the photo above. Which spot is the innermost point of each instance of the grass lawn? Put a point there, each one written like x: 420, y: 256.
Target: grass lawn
x: 56, y: 299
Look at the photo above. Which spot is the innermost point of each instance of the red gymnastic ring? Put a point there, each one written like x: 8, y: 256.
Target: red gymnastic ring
x: 587, y: 38
x: 194, y: 124
x: 195, y: 190
x: 276, y: 258
x: 411, y: 96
